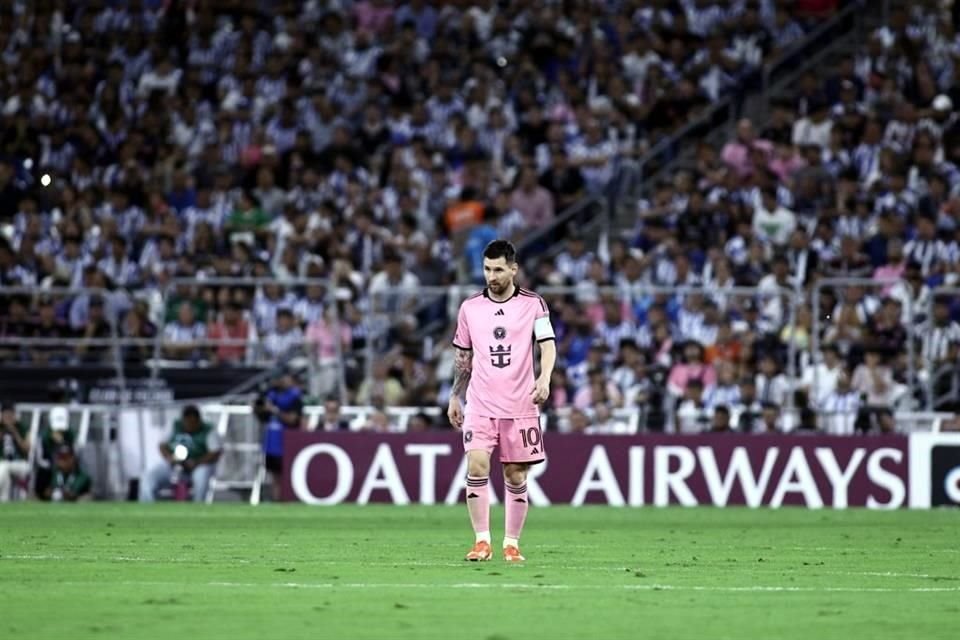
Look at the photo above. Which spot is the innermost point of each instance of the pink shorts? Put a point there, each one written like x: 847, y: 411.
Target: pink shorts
x: 519, y: 439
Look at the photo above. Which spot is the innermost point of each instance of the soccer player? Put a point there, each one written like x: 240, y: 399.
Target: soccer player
x: 496, y: 329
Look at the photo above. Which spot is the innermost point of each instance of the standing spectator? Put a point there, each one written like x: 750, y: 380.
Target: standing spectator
x: 279, y: 409
x: 14, y: 449
x: 203, y: 450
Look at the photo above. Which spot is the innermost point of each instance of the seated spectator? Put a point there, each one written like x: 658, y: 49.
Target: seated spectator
x: 137, y: 326
x: 68, y: 481
x: 14, y: 449
x: 15, y: 324
x: 533, y: 201
x: 840, y: 410
x: 692, y: 368
x: 200, y: 443
x: 182, y: 338
x: 332, y: 420
x: 231, y: 334
x: 57, y: 433
x: 737, y: 153
x: 769, y: 420
x: 819, y: 380
x: 599, y: 389
x: 725, y: 392
x: 692, y: 415
x: 285, y: 339
x: 93, y: 347
x: 378, y: 422
x: 49, y: 327
x: 771, y: 384
x: 874, y: 381
x: 720, y: 420
x: 393, y: 289
x: 383, y: 386
x: 604, y: 423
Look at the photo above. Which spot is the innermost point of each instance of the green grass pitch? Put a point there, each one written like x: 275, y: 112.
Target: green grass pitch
x: 231, y: 571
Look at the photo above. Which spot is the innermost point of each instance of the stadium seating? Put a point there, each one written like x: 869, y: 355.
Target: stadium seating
x: 159, y: 158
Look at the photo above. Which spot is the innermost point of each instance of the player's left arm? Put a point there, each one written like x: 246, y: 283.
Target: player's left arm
x: 545, y: 337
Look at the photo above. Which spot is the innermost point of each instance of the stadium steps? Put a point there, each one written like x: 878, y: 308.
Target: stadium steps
x: 846, y: 37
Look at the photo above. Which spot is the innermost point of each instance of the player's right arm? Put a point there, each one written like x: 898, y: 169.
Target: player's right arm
x: 462, y: 369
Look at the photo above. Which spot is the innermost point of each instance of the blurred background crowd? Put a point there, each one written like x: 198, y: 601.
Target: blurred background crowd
x: 373, y: 148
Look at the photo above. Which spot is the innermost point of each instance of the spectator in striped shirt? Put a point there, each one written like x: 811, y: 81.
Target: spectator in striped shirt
x: 182, y: 338
x: 840, y: 410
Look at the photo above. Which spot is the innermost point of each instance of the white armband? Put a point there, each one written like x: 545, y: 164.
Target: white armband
x: 542, y: 329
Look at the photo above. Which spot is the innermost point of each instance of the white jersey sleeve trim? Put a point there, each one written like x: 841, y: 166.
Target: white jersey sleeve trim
x: 543, y: 329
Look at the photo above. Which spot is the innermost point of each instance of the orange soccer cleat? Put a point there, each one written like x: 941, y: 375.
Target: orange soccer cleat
x: 480, y: 552
x: 512, y: 554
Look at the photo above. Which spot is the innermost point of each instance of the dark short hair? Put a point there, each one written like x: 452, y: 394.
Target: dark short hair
x: 191, y: 411
x: 501, y: 249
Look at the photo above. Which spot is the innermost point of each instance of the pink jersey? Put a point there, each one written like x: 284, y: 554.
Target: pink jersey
x: 501, y: 335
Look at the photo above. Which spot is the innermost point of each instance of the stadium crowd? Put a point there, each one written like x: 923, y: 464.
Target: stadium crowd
x: 380, y: 145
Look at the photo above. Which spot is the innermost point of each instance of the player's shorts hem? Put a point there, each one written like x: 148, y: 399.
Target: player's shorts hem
x: 546, y: 339
x: 535, y: 461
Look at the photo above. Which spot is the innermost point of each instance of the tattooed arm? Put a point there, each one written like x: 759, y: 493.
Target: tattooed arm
x: 462, y: 369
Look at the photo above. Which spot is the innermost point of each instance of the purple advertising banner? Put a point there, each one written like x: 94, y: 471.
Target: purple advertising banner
x: 755, y: 470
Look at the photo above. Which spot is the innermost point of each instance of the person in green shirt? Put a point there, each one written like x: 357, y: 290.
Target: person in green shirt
x: 69, y: 482
x: 57, y: 433
x: 195, y: 447
x: 14, y: 449
x: 247, y: 220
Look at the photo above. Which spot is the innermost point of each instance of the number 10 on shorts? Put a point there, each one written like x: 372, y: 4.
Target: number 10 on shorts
x: 531, y: 436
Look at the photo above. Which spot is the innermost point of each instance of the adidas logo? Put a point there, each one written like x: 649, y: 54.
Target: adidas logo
x: 500, y: 313
x: 535, y: 450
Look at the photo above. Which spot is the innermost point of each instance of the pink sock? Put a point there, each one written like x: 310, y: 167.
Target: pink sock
x: 516, y: 505
x: 478, y: 504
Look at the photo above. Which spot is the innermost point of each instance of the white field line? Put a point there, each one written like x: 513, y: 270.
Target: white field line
x: 538, y: 566
x: 553, y: 587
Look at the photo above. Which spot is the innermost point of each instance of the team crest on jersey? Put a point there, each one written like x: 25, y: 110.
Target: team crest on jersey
x: 467, y: 436
x: 499, y: 333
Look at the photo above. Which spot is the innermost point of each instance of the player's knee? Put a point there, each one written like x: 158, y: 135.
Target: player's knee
x: 515, y: 474
x: 478, y: 468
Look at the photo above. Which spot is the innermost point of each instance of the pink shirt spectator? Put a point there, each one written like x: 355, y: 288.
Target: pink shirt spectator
x: 786, y: 167
x: 320, y: 335
x: 501, y: 335
x: 373, y: 16
x: 535, y: 205
x: 890, y: 274
x: 736, y: 155
x: 682, y: 374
